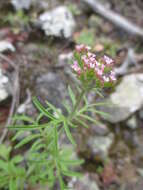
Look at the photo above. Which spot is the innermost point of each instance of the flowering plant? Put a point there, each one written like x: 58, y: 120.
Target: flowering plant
x: 90, y: 69
x: 47, y: 159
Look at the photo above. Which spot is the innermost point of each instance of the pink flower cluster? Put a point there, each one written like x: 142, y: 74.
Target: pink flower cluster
x: 101, y: 67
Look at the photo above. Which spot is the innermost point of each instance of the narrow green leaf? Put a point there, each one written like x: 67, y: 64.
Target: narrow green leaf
x: 72, y: 162
x: 27, y: 140
x: 17, y: 135
x: 71, y: 174
x: 72, y: 96
x: 17, y: 159
x: 42, y: 109
x: 81, y: 122
x: 88, y: 118
x: 68, y: 133
x: 23, y: 118
x: 67, y: 107
x: 29, y: 127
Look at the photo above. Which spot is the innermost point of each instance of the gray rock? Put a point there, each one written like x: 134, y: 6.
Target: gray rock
x: 127, y: 99
x: 58, y: 22
x: 51, y: 87
x: 100, y: 129
x: 141, y: 114
x: 4, y: 87
x: 83, y: 184
x: 100, y: 145
x: 5, y: 46
x: 21, y: 4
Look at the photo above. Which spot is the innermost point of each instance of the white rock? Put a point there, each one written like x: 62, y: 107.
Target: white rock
x: 127, y: 99
x: 59, y: 22
x: 5, y: 45
x: 85, y: 183
x: 4, y: 93
x: 100, y: 145
x: 21, y: 4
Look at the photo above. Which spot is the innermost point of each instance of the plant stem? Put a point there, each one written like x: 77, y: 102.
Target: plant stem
x: 77, y: 104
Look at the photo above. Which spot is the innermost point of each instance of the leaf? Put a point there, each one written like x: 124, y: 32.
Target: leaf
x: 23, y: 118
x: 42, y: 109
x: 27, y: 140
x: 81, y: 122
x: 67, y: 107
x: 72, y: 96
x: 71, y: 174
x: 29, y: 127
x: 71, y: 124
x: 100, y: 113
x: 4, y: 166
x: 5, y: 151
x: 55, y: 110
x: 12, y: 185
x: 89, y: 118
x: 98, y: 92
x: 72, y: 162
x: 17, y: 135
x: 68, y: 133
x: 35, y: 144
x: 17, y: 159
x: 56, y: 141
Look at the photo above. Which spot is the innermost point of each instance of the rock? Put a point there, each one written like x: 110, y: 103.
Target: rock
x: 100, y: 129
x: 83, y: 184
x: 21, y: 4
x: 141, y: 114
x: 134, y: 186
x: 132, y: 122
x: 127, y: 99
x: 58, y: 22
x: 4, y: 87
x: 51, y: 87
x: 5, y: 46
x: 100, y: 145
x: 64, y: 59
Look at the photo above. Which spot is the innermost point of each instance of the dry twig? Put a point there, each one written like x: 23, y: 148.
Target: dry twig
x: 15, y: 95
x: 115, y: 18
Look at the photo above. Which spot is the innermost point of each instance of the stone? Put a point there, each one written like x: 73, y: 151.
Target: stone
x: 100, y: 129
x: 58, y: 22
x: 141, y: 114
x: 126, y: 100
x: 99, y: 145
x: 52, y: 87
x: 132, y: 122
x: 21, y: 4
x: 6, y: 46
x: 83, y: 184
x: 4, y: 87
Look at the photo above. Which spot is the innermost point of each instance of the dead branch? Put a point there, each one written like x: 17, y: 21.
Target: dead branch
x: 115, y: 18
x: 15, y: 96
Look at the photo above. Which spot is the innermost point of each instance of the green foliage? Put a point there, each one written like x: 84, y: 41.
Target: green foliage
x: 12, y: 175
x: 17, y: 19
x: 46, y: 154
x: 86, y: 37
x: 74, y: 9
x: 47, y: 160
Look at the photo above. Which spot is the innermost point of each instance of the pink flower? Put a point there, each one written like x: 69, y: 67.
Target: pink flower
x: 106, y: 79
x: 82, y: 48
x: 108, y: 60
x: 87, y: 62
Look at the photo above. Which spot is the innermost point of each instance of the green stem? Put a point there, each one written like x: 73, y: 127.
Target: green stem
x: 77, y: 104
